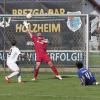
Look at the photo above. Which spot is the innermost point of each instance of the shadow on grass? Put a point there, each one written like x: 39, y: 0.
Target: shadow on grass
x: 63, y: 76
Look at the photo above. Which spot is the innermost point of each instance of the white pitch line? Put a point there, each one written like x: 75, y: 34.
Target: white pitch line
x: 53, y: 96
x: 60, y: 96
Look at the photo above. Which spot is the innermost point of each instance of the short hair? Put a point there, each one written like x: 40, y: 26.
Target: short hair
x: 79, y: 64
x: 13, y: 42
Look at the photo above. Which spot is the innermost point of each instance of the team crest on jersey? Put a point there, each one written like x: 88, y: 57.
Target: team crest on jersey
x: 74, y: 23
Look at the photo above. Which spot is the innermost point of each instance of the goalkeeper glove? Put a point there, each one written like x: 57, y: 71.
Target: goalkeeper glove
x: 26, y: 24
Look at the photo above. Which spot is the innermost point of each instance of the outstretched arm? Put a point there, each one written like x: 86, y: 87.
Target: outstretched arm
x: 28, y: 31
x: 45, y: 41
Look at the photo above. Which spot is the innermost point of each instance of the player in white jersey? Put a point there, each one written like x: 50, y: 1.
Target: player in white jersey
x: 12, y: 57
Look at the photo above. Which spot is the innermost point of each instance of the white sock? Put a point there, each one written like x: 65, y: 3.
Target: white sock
x: 19, y: 78
x: 13, y: 74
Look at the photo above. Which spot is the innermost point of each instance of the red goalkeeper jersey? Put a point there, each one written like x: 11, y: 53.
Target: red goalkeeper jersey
x: 39, y: 45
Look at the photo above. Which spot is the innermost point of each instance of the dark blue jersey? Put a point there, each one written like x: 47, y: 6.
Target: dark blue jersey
x: 87, y: 75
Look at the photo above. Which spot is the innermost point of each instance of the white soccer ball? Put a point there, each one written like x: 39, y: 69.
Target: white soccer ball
x: 29, y: 16
x: 97, y: 83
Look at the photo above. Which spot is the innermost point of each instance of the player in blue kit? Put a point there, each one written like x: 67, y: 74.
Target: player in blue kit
x: 85, y: 76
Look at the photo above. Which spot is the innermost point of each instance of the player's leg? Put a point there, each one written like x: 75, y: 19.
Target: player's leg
x: 36, y: 70
x: 19, y: 78
x: 53, y: 68
x: 8, y: 77
x: 15, y: 71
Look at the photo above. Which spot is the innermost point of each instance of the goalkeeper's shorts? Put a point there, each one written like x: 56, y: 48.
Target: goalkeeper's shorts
x: 43, y: 57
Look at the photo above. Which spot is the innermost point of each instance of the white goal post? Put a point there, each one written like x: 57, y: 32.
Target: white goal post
x: 62, y: 43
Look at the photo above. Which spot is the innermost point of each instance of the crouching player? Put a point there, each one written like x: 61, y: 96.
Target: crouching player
x: 85, y: 76
x: 13, y: 54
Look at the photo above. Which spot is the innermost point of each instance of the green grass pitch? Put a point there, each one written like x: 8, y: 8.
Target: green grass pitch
x: 47, y: 87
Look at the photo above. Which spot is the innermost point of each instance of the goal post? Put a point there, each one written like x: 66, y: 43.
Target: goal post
x: 67, y: 33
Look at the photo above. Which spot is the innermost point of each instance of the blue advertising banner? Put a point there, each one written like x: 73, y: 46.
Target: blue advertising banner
x: 65, y: 58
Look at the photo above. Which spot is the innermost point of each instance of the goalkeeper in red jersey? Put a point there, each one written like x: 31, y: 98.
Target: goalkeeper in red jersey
x: 40, y: 43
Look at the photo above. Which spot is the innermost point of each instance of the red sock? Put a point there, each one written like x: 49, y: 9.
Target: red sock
x: 36, y: 70
x: 54, y: 70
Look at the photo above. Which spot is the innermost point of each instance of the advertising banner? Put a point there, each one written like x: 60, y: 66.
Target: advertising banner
x: 56, y: 30
x: 60, y: 58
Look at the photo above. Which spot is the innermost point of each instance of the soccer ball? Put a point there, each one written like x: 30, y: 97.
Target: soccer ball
x: 29, y: 16
x: 97, y: 83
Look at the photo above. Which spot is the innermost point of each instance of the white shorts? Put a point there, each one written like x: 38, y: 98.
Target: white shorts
x: 12, y: 66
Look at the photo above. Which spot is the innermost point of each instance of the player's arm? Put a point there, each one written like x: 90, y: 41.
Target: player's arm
x: 45, y: 41
x: 82, y: 81
x: 48, y: 41
x: 23, y: 55
x: 28, y: 31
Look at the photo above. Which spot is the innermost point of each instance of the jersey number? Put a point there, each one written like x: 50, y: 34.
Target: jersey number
x: 88, y: 75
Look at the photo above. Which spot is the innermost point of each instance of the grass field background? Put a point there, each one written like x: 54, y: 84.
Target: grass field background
x: 47, y: 87
x: 94, y: 59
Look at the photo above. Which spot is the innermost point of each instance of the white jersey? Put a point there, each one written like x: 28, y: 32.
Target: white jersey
x: 13, y: 54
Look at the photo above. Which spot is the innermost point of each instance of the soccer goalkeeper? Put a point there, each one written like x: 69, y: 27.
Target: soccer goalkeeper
x: 40, y: 43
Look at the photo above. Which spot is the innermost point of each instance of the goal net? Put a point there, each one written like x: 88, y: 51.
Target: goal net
x: 67, y: 35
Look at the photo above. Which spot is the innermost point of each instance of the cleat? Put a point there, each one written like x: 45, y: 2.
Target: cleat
x: 7, y: 79
x: 33, y: 79
x: 59, y: 77
x: 21, y: 82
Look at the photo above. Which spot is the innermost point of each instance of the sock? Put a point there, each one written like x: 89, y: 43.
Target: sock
x: 36, y: 72
x: 12, y: 74
x: 19, y: 77
x: 54, y: 70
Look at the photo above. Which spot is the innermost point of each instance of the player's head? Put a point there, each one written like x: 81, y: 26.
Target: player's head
x: 13, y: 42
x: 79, y: 64
x: 39, y: 34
